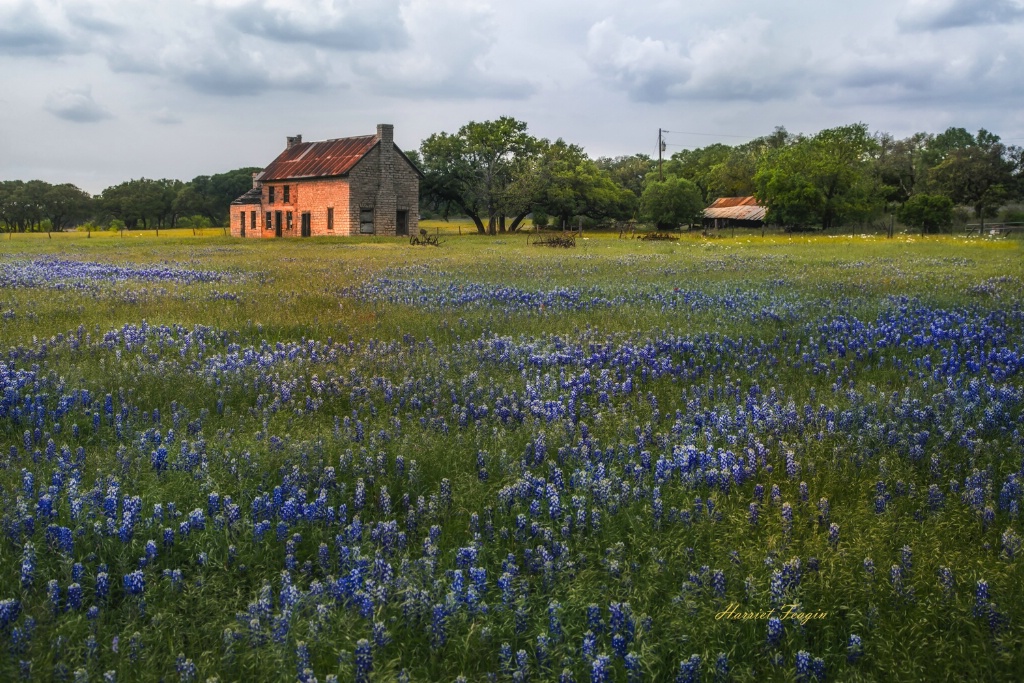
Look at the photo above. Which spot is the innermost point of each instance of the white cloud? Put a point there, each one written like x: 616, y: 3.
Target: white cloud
x: 740, y: 61
x: 450, y: 56
x: 75, y: 104
x: 30, y: 29
x: 920, y: 15
x: 345, y: 25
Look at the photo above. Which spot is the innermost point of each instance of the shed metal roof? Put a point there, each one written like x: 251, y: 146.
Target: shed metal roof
x: 736, y: 208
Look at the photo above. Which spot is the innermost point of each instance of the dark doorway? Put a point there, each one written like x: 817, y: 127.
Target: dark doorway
x: 307, y: 228
x: 402, y: 223
x: 241, y: 217
x: 277, y: 223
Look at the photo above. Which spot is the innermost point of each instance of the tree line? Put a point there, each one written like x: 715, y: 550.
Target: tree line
x: 497, y: 174
x: 37, y: 205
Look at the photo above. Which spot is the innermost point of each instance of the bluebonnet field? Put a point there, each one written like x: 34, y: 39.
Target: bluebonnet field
x: 358, y: 461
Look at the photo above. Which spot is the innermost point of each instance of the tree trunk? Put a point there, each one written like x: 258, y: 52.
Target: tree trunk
x: 478, y: 223
x: 501, y: 224
x: 517, y: 221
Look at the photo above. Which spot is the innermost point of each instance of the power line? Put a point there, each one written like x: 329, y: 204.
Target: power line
x: 713, y: 135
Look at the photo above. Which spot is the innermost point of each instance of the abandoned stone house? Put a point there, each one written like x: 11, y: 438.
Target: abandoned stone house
x: 361, y: 185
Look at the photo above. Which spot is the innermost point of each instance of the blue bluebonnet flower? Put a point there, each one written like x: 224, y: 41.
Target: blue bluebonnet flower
x: 554, y: 620
x: 787, y: 518
x: 721, y: 668
x: 102, y: 586
x: 718, y: 582
x: 542, y: 651
x: 74, y: 596
x: 301, y: 657
x: 506, y: 660
x: 9, y: 611
x: 186, y: 669
x: 854, y: 648
x: 134, y: 583
x: 981, y: 598
x: 619, y: 645
x: 634, y: 674
x: 439, y: 626
x: 1012, y: 543
x: 594, y: 621
x: 753, y: 514
x: 775, y: 630
x: 776, y: 588
x: 689, y: 670
x: 589, y: 647
x: 803, y: 666
x: 869, y: 567
x: 522, y: 671
x: 818, y: 669
x: 833, y: 534
x: 907, y: 557
x: 600, y: 669
x: 28, y: 564
x: 53, y: 593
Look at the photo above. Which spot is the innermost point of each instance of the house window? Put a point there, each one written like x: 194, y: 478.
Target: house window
x: 270, y: 221
x: 252, y: 220
x: 285, y: 199
x: 330, y: 218
x: 289, y: 221
x: 270, y: 194
x: 366, y: 221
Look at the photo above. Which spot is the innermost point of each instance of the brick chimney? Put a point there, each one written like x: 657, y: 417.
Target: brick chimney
x: 256, y: 179
x: 385, y: 213
x: 293, y: 140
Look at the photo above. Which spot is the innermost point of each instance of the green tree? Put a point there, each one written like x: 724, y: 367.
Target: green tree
x: 982, y: 174
x: 929, y: 212
x: 12, y: 209
x: 823, y: 180
x: 900, y: 165
x: 478, y: 170
x: 628, y: 172
x: 571, y: 184
x: 671, y: 202
x: 699, y: 167
x: 65, y: 205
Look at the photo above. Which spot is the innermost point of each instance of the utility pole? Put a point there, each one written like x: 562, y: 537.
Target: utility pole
x: 661, y: 148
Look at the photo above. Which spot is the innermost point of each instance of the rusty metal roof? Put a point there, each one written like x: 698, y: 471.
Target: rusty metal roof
x: 736, y: 208
x: 319, y: 159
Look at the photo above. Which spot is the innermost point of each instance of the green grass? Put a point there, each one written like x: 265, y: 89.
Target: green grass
x: 298, y: 291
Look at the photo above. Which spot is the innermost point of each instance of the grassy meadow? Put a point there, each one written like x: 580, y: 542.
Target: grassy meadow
x: 789, y: 458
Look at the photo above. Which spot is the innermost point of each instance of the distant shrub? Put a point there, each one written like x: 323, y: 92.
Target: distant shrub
x: 1012, y: 214
x: 929, y: 212
x: 540, y: 219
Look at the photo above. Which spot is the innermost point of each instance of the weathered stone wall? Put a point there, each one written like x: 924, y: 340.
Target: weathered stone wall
x: 370, y: 189
x: 236, y: 220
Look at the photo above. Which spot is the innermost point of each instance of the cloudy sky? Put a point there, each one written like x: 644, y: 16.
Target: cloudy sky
x: 101, y: 91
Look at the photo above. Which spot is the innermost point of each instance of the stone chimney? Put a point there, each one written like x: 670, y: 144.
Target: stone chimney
x: 385, y: 214
x: 293, y: 140
x: 256, y: 179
